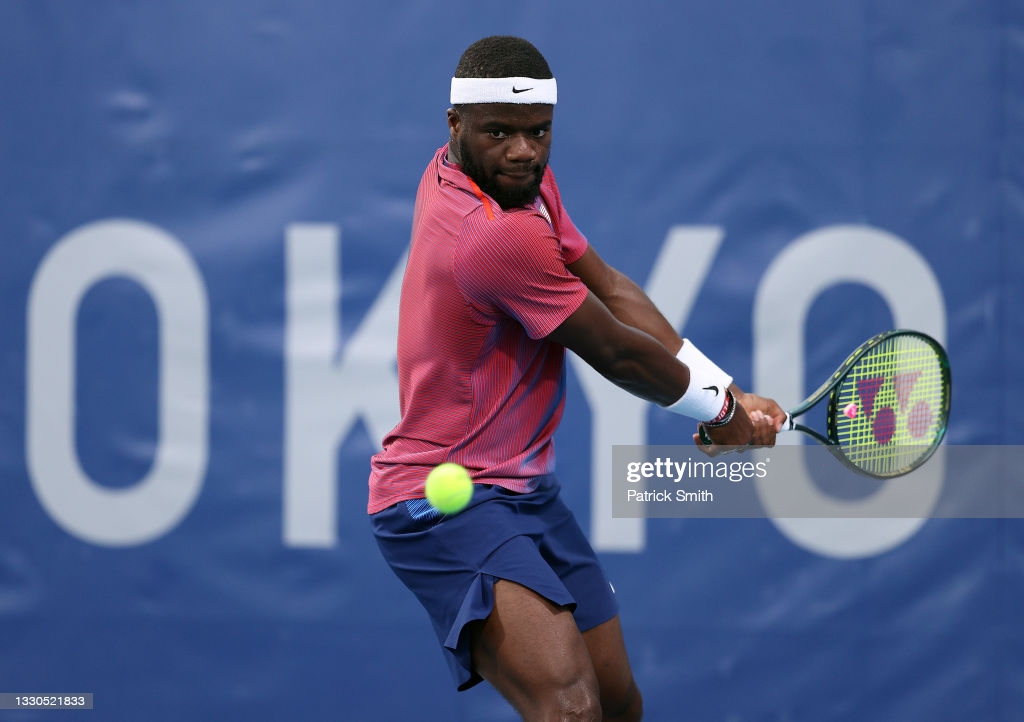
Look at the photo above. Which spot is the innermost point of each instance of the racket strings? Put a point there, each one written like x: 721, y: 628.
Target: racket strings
x: 891, y: 405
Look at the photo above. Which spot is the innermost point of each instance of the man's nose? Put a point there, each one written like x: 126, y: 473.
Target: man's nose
x: 521, y: 148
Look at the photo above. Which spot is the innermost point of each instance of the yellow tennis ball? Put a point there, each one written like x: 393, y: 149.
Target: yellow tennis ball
x: 449, y: 488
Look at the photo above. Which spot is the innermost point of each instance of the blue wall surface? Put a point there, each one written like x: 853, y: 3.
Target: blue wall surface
x: 204, y: 211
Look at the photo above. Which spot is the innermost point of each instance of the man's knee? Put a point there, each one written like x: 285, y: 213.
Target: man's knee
x: 577, y: 698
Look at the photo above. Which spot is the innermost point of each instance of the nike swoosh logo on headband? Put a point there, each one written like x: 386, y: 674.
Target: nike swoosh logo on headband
x: 520, y: 90
x: 712, y: 388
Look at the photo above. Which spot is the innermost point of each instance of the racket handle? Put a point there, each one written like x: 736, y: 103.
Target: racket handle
x: 788, y: 424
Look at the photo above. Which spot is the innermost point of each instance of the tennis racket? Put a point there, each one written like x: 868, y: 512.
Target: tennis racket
x: 888, y: 405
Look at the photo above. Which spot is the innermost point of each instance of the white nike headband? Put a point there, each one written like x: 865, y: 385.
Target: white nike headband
x: 504, y: 90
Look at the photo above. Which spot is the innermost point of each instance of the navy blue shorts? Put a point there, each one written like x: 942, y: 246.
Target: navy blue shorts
x: 450, y: 562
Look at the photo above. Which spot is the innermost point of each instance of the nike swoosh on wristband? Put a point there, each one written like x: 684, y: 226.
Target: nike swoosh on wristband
x: 520, y: 90
x: 712, y: 388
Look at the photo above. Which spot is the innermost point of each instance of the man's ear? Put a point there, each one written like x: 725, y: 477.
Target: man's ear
x: 454, y: 129
x: 454, y: 122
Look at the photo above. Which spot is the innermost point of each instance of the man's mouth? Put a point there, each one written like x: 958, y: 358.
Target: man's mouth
x: 519, y: 173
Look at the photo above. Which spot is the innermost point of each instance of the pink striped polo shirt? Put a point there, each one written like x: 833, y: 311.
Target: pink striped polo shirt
x: 478, y: 383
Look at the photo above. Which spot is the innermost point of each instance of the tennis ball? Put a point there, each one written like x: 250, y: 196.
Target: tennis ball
x: 449, y: 488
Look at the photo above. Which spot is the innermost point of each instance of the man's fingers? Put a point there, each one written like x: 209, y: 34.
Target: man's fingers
x: 764, y: 429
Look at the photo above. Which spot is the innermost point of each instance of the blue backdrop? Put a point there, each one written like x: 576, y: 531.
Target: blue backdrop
x: 204, y: 210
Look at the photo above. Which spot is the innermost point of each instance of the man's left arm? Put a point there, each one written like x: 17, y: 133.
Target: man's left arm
x: 624, y: 298
x: 628, y: 303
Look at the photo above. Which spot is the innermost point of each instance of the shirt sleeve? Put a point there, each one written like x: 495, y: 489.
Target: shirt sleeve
x: 515, y: 265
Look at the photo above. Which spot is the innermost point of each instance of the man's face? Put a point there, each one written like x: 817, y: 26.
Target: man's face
x: 504, y: 147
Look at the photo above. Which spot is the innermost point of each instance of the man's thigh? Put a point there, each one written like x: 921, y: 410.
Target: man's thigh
x: 532, y: 652
x: 620, y: 698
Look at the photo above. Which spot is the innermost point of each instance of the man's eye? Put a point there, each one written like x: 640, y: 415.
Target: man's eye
x: 496, y: 134
x: 540, y: 133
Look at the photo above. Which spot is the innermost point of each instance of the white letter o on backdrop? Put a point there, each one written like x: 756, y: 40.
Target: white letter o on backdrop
x: 162, y: 266
x: 807, y: 267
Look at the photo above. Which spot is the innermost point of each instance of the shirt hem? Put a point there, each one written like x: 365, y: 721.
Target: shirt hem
x: 510, y: 484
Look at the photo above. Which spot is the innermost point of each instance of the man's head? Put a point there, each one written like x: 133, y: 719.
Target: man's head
x: 503, y: 97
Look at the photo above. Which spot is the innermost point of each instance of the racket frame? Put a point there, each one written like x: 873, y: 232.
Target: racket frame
x: 829, y: 387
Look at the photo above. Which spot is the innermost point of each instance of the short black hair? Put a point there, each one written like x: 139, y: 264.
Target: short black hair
x: 502, y: 56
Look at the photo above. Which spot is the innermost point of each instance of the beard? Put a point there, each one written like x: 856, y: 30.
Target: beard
x: 507, y: 198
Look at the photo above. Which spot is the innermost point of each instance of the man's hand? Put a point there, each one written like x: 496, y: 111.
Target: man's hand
x: 768, y: 407
x: 756, y: 422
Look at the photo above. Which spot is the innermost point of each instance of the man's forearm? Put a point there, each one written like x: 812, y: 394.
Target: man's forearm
x: 630, y: 305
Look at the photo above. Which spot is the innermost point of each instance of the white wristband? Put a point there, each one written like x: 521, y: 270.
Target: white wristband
x: 705, y: 397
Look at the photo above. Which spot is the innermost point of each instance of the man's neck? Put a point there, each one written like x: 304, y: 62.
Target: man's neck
x: 452, y: 156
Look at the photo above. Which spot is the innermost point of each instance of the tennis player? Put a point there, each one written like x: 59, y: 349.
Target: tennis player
x: 499, y: 282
